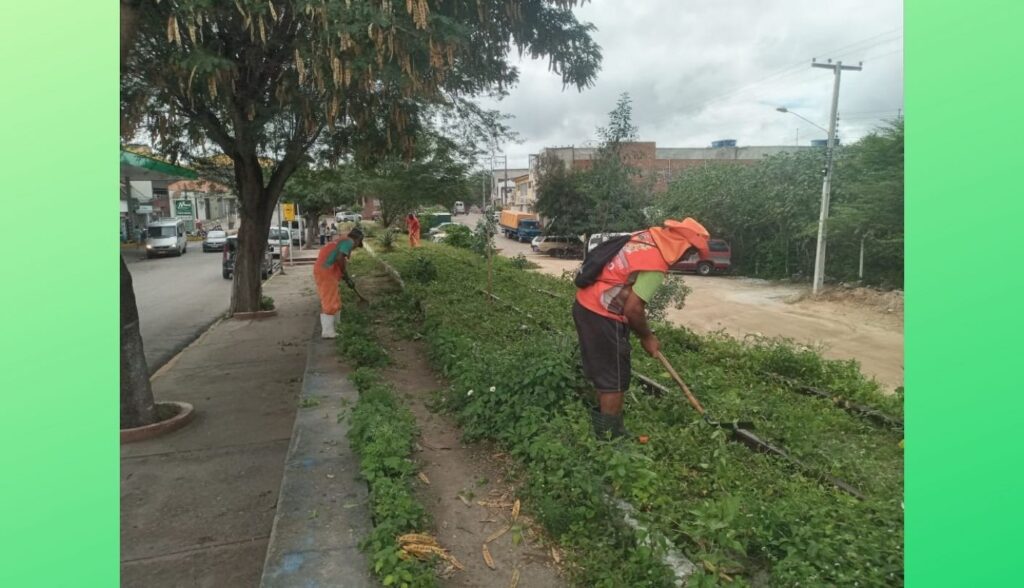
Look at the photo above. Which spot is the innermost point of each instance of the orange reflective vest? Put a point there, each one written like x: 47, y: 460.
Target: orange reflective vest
x: 607, y: 295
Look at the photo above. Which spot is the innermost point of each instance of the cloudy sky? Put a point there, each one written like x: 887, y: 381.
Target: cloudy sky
x: 701, y: 70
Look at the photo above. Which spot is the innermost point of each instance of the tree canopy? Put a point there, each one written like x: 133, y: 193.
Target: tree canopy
x: 608, y: 196
x: 769, y: 211
x: 282, y: 79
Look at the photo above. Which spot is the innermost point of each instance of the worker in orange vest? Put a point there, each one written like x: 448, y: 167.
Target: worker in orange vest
x: 615, y: 303
x: 330, y: 269
x: 412, y: 224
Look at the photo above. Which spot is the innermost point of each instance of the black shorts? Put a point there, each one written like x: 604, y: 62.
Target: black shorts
x: 604, y: 345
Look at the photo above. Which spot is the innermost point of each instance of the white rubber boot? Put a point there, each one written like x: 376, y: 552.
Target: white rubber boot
x: 327, y: 326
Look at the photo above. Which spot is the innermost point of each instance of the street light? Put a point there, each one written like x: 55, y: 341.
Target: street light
x: 812, y: 123
x: 826, y: 192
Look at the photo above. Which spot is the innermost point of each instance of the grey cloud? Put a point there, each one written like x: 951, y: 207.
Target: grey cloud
x: 691, y: 67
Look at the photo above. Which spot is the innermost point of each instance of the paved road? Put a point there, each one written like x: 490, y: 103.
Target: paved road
x: 178, y: 297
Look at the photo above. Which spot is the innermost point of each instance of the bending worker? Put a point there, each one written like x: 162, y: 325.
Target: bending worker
x: 616, y: 303
x: 412, y: 224
x: 332, y: 267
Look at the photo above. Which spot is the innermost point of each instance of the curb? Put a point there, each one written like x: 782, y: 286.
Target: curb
x: 259, y: 314
x: 323, y: 505
x: 186, y: 412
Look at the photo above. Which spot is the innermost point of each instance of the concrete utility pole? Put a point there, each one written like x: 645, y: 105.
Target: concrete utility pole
x: 826, y: 186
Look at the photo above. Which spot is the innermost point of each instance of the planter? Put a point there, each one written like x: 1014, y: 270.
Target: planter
x: 259, y: 314
x: 182, y: 415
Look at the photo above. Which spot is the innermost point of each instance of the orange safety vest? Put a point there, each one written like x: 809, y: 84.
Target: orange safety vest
x: 603, y: 297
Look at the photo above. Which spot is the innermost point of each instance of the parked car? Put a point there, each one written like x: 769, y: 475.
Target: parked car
x: 228, y: 260
x: 440, y: 228
x: 718, y: 258
x: 348, y: 217
x: 559, y: 245
x: 214, y: 241
x: 277, y: 238
x: 535, y: 243
x: 460, y: 207
x: 598, y: 238
x: 166, y: 237
x: 297, y: 228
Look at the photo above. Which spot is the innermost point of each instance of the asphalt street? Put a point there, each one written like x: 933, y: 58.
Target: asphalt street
x: 178, y: 297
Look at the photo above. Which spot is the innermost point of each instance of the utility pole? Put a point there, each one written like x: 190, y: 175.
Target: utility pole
x: 826, y: 186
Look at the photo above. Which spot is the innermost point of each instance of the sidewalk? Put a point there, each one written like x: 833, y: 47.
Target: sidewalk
x: 197, y: 505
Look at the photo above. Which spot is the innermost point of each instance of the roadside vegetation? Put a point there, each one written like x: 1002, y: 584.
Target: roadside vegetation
x: 743, y: 517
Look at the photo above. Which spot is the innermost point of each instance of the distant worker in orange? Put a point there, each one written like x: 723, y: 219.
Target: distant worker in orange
x: 412, y: 224
x: 330, y: 269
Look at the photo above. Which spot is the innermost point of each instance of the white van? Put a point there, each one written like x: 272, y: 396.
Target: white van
x: 460, y: 207
x: 166, y: 237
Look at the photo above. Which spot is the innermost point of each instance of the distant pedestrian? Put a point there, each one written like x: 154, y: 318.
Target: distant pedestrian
x: 334, y: 230
x: 323, y: 233
x: 412, y: 224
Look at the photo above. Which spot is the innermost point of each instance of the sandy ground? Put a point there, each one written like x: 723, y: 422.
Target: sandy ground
x: 841, y: 326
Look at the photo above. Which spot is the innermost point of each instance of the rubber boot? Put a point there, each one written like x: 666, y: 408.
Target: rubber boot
x: 608, y: 425
x: 327, y: 326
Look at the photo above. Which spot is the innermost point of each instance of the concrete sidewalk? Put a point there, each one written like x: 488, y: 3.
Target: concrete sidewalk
x: 197, y: 506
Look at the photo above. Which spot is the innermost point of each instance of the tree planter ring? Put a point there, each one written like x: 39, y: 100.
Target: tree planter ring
x: 186, y: 412
x: 259, y: 314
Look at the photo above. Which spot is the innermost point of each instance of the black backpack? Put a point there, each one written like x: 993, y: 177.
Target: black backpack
x: 597, y: 258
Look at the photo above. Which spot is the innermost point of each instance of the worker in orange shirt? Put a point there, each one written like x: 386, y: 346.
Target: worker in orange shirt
x: 330, y: 269
x: 412, y: 224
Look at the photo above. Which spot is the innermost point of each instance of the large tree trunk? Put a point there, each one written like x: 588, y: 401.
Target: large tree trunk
x: 257, y: 211
x: 137, y: 407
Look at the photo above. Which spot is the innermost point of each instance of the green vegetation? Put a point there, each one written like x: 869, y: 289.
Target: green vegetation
x: 382, y: 431
x: 356, y: 339
x: 769, y: 211
x: 738, y: 514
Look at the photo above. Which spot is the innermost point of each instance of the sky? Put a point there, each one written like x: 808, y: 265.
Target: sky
x: 702, y: 70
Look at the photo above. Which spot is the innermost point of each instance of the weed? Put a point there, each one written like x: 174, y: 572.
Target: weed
x: 266, y: 303
x: 747, y: 515
x: 382, y: 432
x: 309, y: 402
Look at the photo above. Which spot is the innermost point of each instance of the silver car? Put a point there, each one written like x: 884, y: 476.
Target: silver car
x: 214, y: 241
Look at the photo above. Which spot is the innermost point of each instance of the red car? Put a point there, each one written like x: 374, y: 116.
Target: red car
x: 718, y: 258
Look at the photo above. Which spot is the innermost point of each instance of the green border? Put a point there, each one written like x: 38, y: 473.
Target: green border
x: 59, y: 435
x: 59, y: 356
x: 964, y: 491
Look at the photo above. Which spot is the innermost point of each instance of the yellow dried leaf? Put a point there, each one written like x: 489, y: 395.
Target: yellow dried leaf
x: 273, y: 13
x: 515, y: 510
x: 515, y: 579
x: 556, y: 556
x: 487, y: 557
x: 420, y: 538
x: 498, y: 533
x: 423, y: 478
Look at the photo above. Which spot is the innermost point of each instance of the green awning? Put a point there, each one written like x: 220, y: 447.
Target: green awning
x: 140, y: 168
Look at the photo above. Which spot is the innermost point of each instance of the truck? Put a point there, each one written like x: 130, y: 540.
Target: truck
x: 519, y: 225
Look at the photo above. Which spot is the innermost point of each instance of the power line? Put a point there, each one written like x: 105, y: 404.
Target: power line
x: 796, y: 68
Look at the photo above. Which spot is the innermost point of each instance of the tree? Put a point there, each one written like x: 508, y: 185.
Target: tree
x: 137, y: 405
x: 258, y: 78
x: 609, y: 196
x: 318, y: 191
x: 769, y: 211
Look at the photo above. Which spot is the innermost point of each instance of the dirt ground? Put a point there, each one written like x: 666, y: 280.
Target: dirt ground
x: 458, y: 478
x: 843, y: 323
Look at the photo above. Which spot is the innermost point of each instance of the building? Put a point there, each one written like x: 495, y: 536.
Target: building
x: 208, y: 202
x: 143, y: 190
x: 665, y: 162
x: 503, y: 186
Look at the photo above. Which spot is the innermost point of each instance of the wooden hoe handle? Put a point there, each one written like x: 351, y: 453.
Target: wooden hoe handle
x: 686, y: 389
